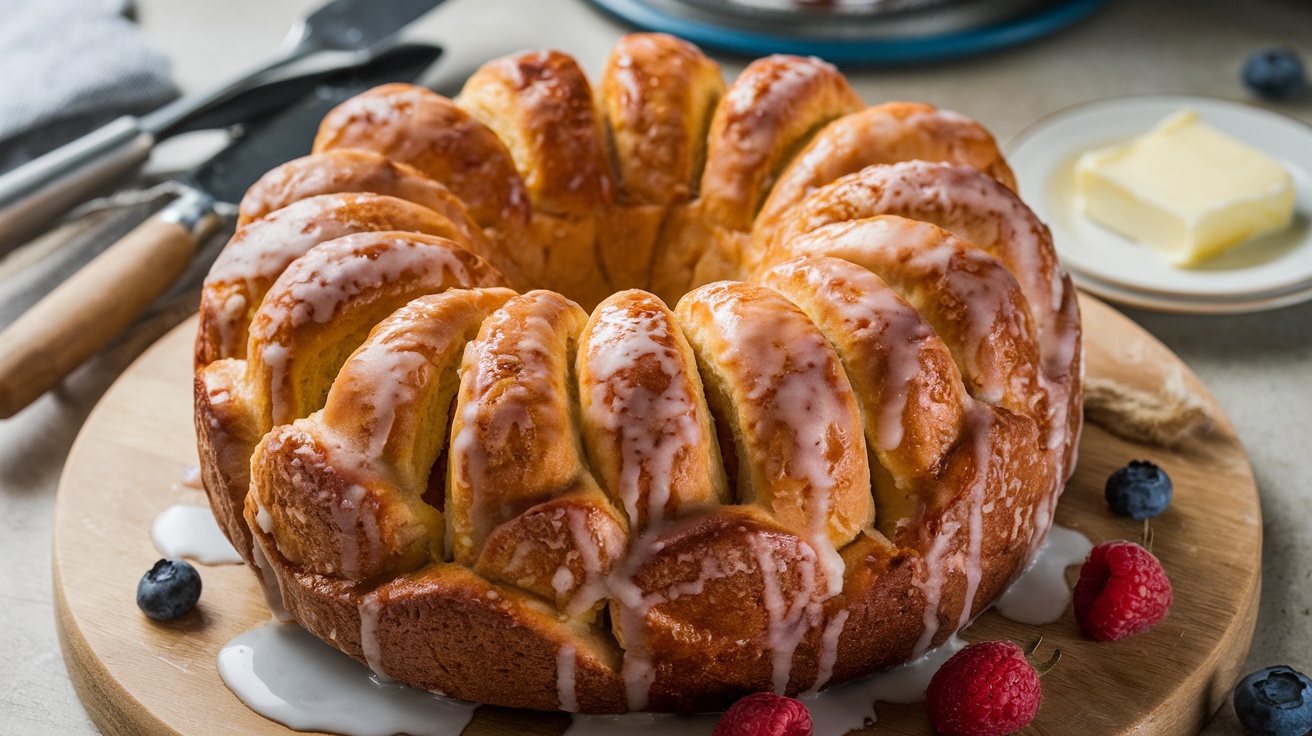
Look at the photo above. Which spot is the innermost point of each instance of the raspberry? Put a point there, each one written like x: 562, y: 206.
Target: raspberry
x: 1122, y: 591
x: 765, y: 714
x: 986, y: 689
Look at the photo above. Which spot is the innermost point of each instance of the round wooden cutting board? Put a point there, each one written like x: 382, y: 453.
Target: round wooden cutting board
x: 136, y: 676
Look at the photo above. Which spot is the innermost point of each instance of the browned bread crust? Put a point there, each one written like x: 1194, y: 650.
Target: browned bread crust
x: 835, y: 432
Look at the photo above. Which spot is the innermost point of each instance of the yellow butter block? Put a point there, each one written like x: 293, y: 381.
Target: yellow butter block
x: 1186, y: 189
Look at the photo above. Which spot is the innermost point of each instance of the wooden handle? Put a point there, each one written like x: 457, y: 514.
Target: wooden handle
x: 84, y: 313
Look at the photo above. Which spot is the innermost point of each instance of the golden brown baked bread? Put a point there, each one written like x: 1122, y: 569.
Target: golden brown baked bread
x: 842, y: 443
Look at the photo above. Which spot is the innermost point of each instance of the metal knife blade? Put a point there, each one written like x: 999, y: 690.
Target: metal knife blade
x: 289, y: 133
x: 84, y: 313
x: 361, y: 24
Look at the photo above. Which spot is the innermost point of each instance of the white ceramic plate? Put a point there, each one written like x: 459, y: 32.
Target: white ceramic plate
x: 1176, y: 304
x: 1273, y: 268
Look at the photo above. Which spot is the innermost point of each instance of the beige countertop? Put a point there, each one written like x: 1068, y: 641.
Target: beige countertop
x: 1259, y: 366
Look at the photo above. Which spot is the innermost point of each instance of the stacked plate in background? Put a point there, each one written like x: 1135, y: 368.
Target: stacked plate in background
x: 854, y: 32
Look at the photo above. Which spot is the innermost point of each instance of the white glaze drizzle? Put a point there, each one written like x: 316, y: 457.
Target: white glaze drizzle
x: 789, y: 618
x: 787, y: 363
x: 652, y: 429
x: 566, y: 688
x: 588, y: 549
x: 845, y: 708
x: 347, y: 515
x: 829, y: 651
x: 394, y: 375
x: 878, y: 314
x: 935, y: 566
x: 634, y: 605
x: 275, y: 357
x: 371, y: 608
x: 979, y: 419
x: 318, y: 289
x: 190, y: 531
x: 232, y: 314
x: 262, y: 249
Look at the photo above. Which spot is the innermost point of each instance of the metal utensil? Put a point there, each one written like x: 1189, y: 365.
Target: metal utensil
x: 39, y: 191
x: 87, y: 311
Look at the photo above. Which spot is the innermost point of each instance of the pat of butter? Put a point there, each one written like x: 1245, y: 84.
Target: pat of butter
x: 1185, y: 188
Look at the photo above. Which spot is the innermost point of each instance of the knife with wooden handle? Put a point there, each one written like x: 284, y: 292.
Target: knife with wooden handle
x: 86, y: 312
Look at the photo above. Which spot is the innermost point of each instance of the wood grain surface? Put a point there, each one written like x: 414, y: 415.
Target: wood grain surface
x: 137, y: 676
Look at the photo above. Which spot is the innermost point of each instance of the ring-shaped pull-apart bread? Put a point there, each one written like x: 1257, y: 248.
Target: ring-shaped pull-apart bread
x: 817, y: 418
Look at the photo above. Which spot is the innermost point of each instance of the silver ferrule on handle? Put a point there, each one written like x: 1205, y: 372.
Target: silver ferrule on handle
x: 40, y: 191
x: 193, y: 211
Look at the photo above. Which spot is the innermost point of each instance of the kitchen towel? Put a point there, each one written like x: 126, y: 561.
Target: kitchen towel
x: 68, y: 67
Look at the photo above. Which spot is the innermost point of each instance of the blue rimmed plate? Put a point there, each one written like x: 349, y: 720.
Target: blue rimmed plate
x: 850, y: 40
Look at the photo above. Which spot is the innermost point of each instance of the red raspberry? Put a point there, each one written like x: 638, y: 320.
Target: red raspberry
x: 986, y: 689
x: 1122, y: 591
x: 765, y: 714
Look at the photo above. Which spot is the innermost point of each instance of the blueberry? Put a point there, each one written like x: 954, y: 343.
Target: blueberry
x: 1276, y: 701
x: 169, y: 590
x: 1140, y: 490
x: 1274, y: 73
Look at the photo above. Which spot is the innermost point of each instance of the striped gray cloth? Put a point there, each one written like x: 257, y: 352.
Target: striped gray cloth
x: 68, y: 67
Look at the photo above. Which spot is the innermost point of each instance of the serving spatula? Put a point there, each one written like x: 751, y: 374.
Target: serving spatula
x: 83, y: 314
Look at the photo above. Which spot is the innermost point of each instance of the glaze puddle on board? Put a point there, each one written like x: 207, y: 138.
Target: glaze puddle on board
x: 286, y: 674
x: 191, y: 532
x: 1041, y: 595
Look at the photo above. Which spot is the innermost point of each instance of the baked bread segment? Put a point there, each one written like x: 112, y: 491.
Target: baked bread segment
x: 659, y: 94
x: 414, y: 126
x: 446, y: 629
x: 909, y: 390
x: 260, y: 251
x: 972, y: 302
x: 764, y: 117
x: 344, y: 491
x: 645, y: 422
x: 521, y: 504
x: 345, y: 171
x: 540, y: 105
x: 884, y: 134
x: 767, y: 114
x: 720, y: 605
x: 324, y: 305
x: 786, y: 413
x: 315, y: 315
